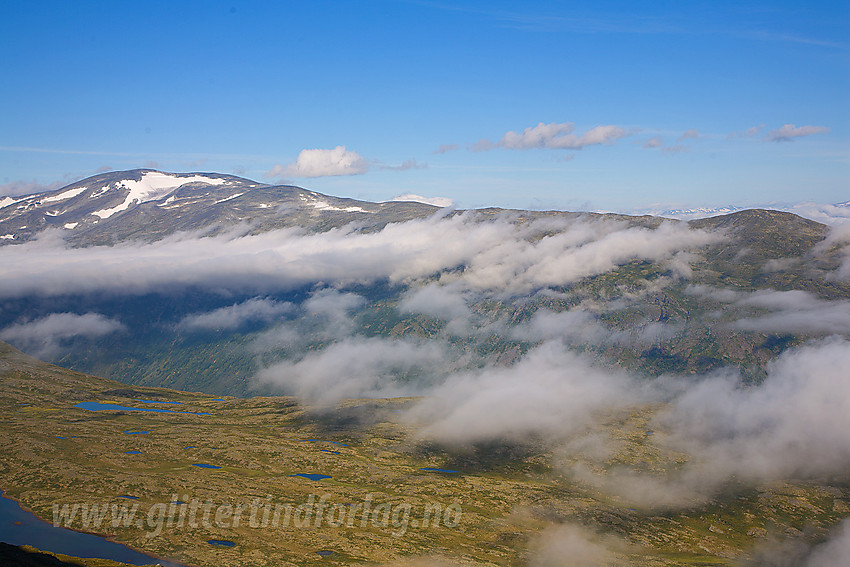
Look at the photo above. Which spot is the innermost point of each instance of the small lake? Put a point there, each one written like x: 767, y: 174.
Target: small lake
x: 205, y: 466
x: 311, y: 476
x: 326, y: 441
x: 131, y: 432
x: 19, y: 527
x: 221, y: 542
x: 429, y: 469
x: 102, y: 406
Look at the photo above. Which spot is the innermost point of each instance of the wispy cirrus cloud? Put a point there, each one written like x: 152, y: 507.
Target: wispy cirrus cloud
x: 405, y: 165
x: 555, y: 135
x: 690, y: 134
x: 445, y: 148
x: 789, y: 132
x: 654, y: 142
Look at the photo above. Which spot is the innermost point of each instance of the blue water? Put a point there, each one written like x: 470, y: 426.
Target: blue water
x: 158, y: 402
x: 331, y: 452
x: 205, y: 466
x: 131, y: 432
x: 221, y: 542
x: 217, y: 400
x: 99, y: 406
x: 18, y: 527
x: 429, y: 469
x: 128, y: 497
x: 132, y: 452
x: 326, y: 441
x: 325, y: 552
x: 311, y: 476
x: 189, y: 447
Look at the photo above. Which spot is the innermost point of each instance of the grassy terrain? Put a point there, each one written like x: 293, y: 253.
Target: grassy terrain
x: 56, y: 454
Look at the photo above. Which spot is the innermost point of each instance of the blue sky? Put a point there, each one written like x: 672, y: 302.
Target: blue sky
x: 672, y: 103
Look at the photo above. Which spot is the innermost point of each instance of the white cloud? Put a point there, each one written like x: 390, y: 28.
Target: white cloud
x: 47, y: 336
x: 572, y: 545
x: 234, y: 316
x: 440, y: 301
x: 750, y: 132
x: 405, y: 165
x: 356, y: 367
x: 796, y: 312
x: 445, y: 148
x: 550, y: 392
x: 323, y: 163
x: 654, y: 142
x: 834, y: 551
x: 500, y: 258
x: 789, y: 132
x: 554, y: 136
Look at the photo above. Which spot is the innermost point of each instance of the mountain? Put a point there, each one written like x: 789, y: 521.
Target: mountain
x: 148, y: 204
x: 652, y: 391
x: 211, y: 287
x: 826, y: 213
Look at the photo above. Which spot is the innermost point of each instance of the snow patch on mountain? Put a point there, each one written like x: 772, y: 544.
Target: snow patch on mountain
x: 434, y: 201
x: 325, y: 206
x: 64, y: 195
x: 152, y: 186
x: 6, y: 201
x: 228, y: 198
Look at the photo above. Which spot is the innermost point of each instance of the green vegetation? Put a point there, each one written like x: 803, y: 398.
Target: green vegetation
x: 507, y: 492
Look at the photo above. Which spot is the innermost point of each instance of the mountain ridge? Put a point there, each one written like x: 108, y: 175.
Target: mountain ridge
x: 148, y: 204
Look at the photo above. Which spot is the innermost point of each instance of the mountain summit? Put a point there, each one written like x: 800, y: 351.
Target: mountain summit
x: 147, y: 204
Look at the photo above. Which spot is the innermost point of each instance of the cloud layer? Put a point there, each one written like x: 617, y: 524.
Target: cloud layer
x: 499, y: 257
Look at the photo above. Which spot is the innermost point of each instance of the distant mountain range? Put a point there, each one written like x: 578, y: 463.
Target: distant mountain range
x: 827, y: 214
x: 206, y: 282
x: 147, y: 204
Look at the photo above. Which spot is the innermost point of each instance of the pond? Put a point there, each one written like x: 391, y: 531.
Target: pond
x: 325, y: 441
x: 221, y: 542
x: 312, y: 476
x: 205, y: 466
x: 102, y: 406
x: 429, y: 469
x: 19, y: 527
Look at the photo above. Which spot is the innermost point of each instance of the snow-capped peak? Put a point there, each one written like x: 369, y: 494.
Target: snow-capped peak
x: 152, y: 186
